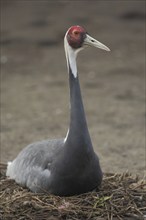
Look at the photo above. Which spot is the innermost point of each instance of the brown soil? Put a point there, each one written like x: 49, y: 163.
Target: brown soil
x: 121, y: 197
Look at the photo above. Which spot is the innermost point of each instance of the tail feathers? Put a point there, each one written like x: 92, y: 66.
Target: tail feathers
x: 9, y: 170
x: 9, y: 163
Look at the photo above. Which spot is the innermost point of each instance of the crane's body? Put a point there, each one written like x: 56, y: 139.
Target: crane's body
x: 65, y: 166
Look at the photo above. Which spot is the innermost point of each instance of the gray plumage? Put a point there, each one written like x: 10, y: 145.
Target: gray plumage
x: 65, y: 166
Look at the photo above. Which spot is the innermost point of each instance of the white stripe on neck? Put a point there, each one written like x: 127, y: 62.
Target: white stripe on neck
x: 71, y: 55
x: 66, y: 136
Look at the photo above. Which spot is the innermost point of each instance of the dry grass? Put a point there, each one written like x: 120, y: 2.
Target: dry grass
x: 121, y: 196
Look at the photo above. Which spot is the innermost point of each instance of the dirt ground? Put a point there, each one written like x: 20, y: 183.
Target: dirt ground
x: 34, y: 80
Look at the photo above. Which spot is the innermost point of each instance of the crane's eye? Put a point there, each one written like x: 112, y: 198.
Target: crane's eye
x: 76, y: 32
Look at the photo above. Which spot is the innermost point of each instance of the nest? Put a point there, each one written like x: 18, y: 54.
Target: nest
x: 122, y: 196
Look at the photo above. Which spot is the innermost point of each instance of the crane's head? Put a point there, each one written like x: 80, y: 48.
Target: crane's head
x: 77, y: 38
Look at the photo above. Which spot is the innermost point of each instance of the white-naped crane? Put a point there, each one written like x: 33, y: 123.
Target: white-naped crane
x: 66, y: 166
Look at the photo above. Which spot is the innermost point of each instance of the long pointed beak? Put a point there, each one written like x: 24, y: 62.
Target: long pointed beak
x: 94, y: 43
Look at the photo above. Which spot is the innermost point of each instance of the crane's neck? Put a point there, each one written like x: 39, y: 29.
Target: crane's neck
x: 78, y: 130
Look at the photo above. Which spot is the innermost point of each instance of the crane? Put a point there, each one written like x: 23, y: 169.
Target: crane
x: 66, y: 166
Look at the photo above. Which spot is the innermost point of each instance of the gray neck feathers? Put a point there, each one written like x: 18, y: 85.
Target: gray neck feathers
x: 78, y: 137
x: 78, y: 131
x: 77, y: 115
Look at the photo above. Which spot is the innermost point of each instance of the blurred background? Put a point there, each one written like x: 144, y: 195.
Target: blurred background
x: 34, y: 80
